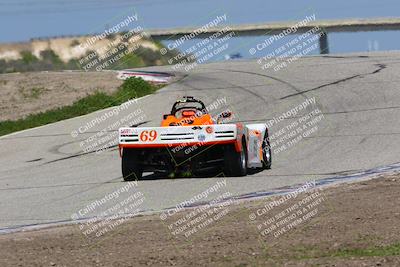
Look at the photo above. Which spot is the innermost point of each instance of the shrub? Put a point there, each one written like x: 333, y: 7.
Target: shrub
x: 130, y: 88
x: 28, y: 57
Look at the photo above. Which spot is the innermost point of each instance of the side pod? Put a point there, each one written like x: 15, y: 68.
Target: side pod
x: 254, y: 136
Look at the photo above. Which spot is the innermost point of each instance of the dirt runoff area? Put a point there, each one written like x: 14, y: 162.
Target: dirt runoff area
x: 353, y: 224
x: 22, y: 94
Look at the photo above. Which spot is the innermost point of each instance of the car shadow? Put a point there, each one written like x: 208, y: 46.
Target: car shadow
x: 163, y: 176
x: 208, y: 174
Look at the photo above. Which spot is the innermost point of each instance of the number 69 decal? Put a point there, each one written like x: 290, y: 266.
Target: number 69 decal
x: 148, y: 135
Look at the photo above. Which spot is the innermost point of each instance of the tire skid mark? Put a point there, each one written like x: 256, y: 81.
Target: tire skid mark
x: 266, y: 76
x: 110, y: 148
x: 379, y: 69
x: 327, y: 113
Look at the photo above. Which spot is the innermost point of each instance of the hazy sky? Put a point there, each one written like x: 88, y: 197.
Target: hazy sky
x: 24, y: 19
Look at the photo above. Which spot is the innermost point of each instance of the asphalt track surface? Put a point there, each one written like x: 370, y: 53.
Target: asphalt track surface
x: 46, y: 177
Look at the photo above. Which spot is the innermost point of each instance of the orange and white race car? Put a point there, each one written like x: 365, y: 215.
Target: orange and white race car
x: 189, y: 140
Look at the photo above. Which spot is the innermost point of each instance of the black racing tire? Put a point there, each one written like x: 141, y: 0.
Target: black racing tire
x: 131, y: 170
x: 235, y: 163
x: 267, y: 152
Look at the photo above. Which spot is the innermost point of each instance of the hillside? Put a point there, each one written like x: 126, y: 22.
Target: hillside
x: 117, y: 51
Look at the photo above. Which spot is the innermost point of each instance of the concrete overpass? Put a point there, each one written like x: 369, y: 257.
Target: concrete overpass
x: 328, y: 26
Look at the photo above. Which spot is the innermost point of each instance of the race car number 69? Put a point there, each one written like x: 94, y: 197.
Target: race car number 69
x: 148, y: 135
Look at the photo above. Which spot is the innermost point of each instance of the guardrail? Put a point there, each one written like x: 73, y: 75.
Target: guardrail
x: 328, y: 26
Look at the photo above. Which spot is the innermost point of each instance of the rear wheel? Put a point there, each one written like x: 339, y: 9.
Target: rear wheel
x: 131, y: 170
x: 235, y: 162
x: 267, y: 153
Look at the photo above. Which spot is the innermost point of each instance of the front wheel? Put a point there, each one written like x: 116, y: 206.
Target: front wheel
x: 236, y: 162
x: 131, y: 170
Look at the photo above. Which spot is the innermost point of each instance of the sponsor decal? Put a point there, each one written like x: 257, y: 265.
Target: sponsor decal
x: 201, y: 137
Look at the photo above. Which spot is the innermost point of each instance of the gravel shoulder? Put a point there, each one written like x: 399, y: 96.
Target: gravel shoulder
x: 354, y: 224
x: 22, y: 94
